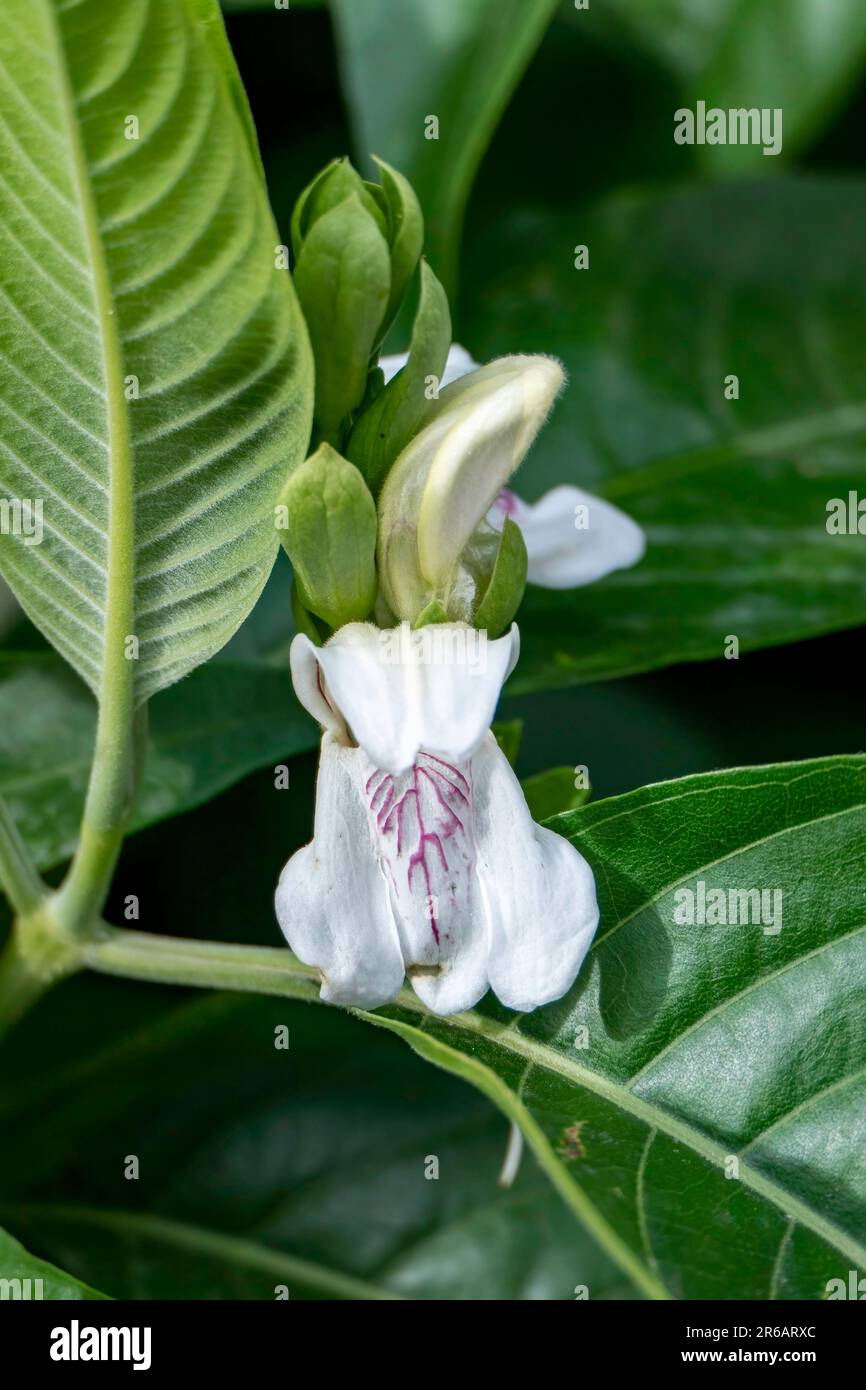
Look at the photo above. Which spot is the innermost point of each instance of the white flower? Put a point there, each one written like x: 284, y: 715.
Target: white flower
x: 435, y: 499
x: 459, y: 364
x: 572, y: 537
x: 425, y: 860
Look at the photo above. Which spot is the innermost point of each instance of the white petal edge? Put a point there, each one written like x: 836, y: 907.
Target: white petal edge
x: 562, y: 555
x: 490, y: 418
x: 459, y: 363
x: 540, y: 892
x: 306, y: 678
x: 332, y: 901
x: 402, y: 692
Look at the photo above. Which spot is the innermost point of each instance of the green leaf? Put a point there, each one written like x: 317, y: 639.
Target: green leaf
x: 508, y: 734
x: 698, y: 1098
x: 222, y: 723
x: 260, y: 1166
x: 683, y: 290
x: 22, y: 1276
x: 155, y: 373
x: 751, y: 53
x: 456, y: 60
x: 397, y: 413
x: 551, y: 792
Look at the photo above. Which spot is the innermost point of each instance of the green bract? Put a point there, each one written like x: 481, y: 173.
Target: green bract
x: 327, y: 523
x: 357, y: 245
x: 443, y: 484
x: 385, y: 426
x: 504, y: 591
x: 343, y: 280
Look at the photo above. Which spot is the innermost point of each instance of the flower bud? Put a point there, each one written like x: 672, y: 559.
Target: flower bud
x: 405, y: 233
x: 336, y: 182
x: 440, y: 489
x: 327, y: 523
x: 356, y: 245
x: 343, y: 282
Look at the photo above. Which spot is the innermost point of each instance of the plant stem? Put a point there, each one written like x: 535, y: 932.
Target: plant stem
x: 172, y: 960
x: 20, y: 985
x: 19, y: 878
x: 118, y: 755
x: 33, y: 959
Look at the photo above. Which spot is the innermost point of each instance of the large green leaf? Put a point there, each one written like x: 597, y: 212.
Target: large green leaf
x: 799, y: 55
x: 456, y: 60
x: 261, y: 1167
x: 24, y: 1277
x: 700, y: 1095
x: 224, y: 721
x: 150, y: 258
x: 702, y: 1044
x: 765, y: 281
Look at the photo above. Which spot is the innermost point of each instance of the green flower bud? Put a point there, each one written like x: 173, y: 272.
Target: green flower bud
x: 405, y: 235
x: 432, y: 544
x: 326, y: 518
x: 336, y: 182
x: 343, y: 281
x: 357, y: 246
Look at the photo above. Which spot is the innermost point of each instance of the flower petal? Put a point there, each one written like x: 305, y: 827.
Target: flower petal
x: 540, y: 892
x: 448, y: 476
x: 306, y: 679
x: 493, y: 415
x: 564, y: 554
x: 402, y: 691
x: 459, y: 364
x: 332, y: 900
x: 424, y: 825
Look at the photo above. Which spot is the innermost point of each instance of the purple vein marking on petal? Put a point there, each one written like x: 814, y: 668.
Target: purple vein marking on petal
x: 455, y: 772
x: 382, y: 814
x: 397, y: 813
x: 386, y: 789
x: 507, y: 502
x: 454, y: 822
x: 388, y: 810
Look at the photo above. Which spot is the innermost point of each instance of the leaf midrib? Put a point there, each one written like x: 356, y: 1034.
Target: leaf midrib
x: 200, y: 1240
x: 652, y: 1115
x: 116, y: 671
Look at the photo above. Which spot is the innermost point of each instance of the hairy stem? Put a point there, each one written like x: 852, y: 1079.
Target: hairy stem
x: 120, y: 741
x: 172, y: 960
